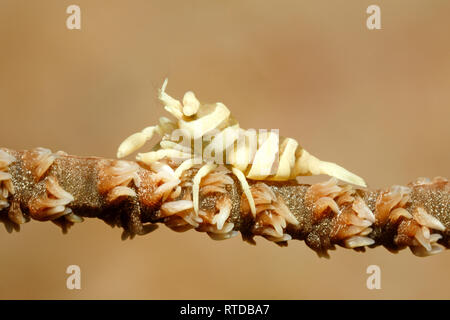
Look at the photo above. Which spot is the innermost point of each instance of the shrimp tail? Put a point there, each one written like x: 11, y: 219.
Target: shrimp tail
x: 307, y: 164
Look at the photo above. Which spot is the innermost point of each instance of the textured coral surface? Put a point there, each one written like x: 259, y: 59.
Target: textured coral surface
x: 133, y: 197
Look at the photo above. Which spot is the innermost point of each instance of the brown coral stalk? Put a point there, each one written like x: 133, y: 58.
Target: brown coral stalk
x: 65, y: 189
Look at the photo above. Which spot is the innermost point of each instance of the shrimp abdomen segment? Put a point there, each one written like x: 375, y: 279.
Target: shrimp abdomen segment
x: 307, y: 164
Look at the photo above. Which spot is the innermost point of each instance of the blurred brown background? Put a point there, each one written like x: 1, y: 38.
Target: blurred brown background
x: 377, y: 102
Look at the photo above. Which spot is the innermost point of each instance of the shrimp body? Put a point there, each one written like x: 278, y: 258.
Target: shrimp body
x: 208, y: 135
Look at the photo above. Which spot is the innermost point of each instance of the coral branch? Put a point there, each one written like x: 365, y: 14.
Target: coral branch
x: 40, y: 185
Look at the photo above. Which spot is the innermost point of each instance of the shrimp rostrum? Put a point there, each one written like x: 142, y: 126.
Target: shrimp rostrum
x: 206, y: 136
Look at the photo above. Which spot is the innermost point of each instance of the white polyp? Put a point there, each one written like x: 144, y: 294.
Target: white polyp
x: 166, y: 188
x: 166, y: 174
x: 271, y: 232
x: 43, y: 161
x: 4, y: 176
x: 6, y: 185
x: 136, y: 179
x: 15, y: 213
x: 426, y: 232
x: 162, y: 168
x: 263, y: 207
x: 440, y: 179
x: 123, y: 168
x: 122, y: 173
x: 425, y: 219
x: 224, y: 212
x: 420, y: 237
x: 55, y: 189
x: 219, y: 220
x: 54, y: 210
x: 359, y: 222
x: 277, y: 226
x: 328, y: 188
x: 433, y: 248
x: 271, y: 213
x: 353, y: 230
x: 173, y: 207
x: 190, y: 220
x: 420, y: 251
x: 285, y: 237
x: 207, y: 168
x: 9, y: 187
x: 284, y: 211
x: 327, y: 202
x: 366, y: 232
x: 50, y: 202
x: 222, y: 236
x: 3, y: 204
x: 44, y: 165
x: 399, y: 212
x: 5, y: 159
x: 422, y: 181
x: 435, y: 237
x: 120, y: 180
x: 263, y: 194
x: 358, y: 241
x: 217, y: 178
x: 363, y: 211
x: 403, y: 190
x: 212, y: 188
x: 120, y: 191
x: 74, y: 218
x: 227, y: 228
